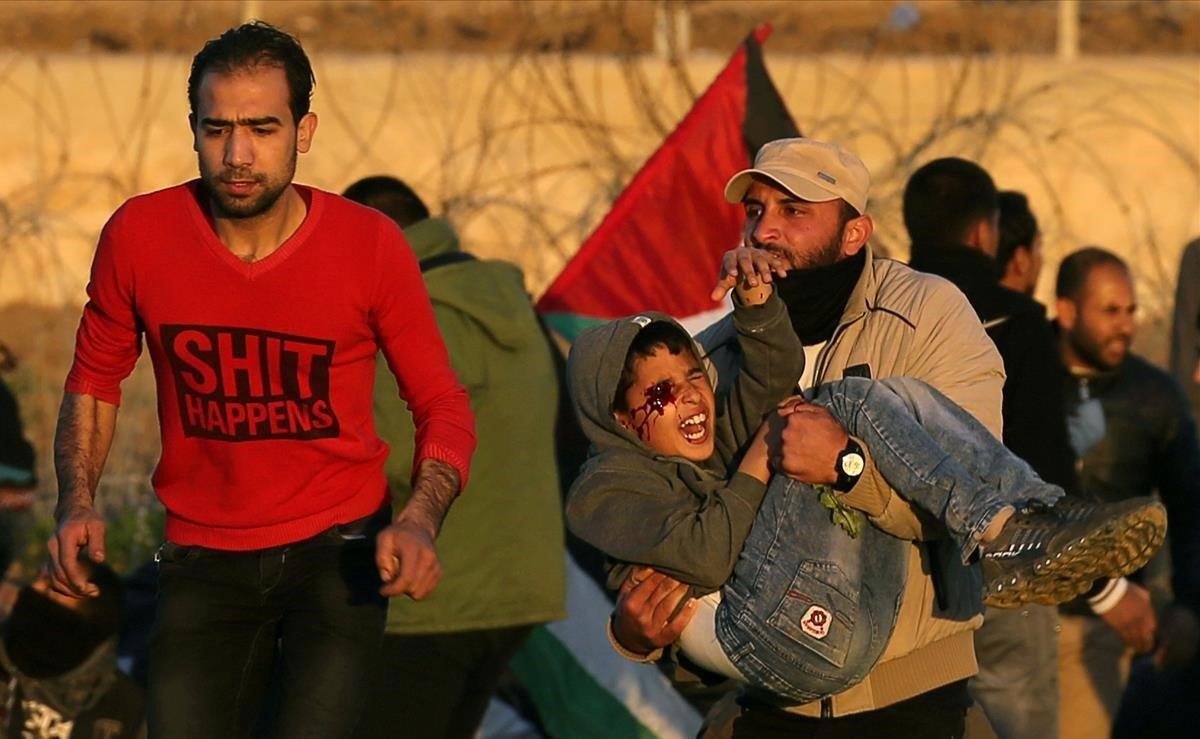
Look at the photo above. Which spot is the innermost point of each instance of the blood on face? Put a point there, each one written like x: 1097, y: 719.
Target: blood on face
x: 658, y: 396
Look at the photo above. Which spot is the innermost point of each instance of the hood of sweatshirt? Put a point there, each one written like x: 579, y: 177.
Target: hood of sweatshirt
x: 594, y: 371
x: 485, y: 290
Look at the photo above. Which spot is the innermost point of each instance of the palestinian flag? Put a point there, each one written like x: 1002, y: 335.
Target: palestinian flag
x: 582, y: 689
x: 656, y: 249
x: 660, y: 245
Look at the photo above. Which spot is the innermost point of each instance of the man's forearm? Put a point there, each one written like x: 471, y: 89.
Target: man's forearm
x: 81, y: 444
x: 435, y: 487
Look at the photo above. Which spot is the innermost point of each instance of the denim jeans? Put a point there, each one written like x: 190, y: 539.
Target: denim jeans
x: 809, y: 609
x: 1017, y: 684
x: 305, y: 619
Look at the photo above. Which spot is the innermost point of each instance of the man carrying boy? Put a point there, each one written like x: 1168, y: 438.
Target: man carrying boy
x: 804, y: 609
x: 856, y: 315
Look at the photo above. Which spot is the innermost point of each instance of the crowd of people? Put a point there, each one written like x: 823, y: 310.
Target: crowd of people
x: 876, y: 499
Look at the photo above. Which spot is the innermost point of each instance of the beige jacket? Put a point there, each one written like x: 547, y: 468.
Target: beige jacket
x: 903, y: 323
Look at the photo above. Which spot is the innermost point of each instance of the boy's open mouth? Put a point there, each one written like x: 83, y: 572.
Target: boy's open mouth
x: 695, y: 427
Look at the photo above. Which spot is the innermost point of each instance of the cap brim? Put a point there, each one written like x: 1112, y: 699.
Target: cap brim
x: 737, y: 186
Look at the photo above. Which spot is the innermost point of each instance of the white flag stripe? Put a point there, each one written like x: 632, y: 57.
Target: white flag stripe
x: 644, y: 691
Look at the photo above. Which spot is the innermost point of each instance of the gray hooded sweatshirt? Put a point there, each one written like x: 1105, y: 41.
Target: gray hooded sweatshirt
x: 641, y: 507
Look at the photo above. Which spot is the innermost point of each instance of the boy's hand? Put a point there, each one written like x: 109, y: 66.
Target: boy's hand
x: 642, y: 620
x: 747, y: 267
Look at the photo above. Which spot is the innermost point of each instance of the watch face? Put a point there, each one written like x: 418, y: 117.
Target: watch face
x: 853, y: 464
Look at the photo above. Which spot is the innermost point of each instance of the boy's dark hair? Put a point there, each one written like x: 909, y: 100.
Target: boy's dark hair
x: 1018, y: 226
x: 653, y: 336
x: 250, y: 45
x: 1074, y: 270
x: 944, y: 198
x: 389, y: 196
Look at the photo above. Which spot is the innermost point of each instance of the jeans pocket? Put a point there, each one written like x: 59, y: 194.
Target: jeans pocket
x: 819, y: 611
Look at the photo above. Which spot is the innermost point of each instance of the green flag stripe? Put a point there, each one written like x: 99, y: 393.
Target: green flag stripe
x: 569, y: 325
x: 570, y: 701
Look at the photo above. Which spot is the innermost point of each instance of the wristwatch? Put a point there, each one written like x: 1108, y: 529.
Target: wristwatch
x: 849, y: 466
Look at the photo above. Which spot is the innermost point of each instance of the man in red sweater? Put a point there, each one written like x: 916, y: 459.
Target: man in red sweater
x: 264, y: 304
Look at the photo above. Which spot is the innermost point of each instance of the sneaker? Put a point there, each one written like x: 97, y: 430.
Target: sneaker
x: 1053, y: 554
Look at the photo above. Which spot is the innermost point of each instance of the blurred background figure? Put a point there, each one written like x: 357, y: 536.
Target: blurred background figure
x: 502, y: 544
x: 1019, y: 253
x: 58, y: 668
x: 1132, y: 432
x: 961, y: 229
x: 17, y: 474
x: 1185, y: 329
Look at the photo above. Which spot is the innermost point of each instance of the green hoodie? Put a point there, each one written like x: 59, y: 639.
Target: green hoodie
x: 640, y: 507
x: 501, y: 547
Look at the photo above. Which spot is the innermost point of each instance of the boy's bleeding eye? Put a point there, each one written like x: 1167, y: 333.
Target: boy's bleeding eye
x: 659, y: 395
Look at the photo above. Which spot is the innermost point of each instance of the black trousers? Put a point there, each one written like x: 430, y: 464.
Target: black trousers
x: 938, y: 714
x: 306, y: 617
x: 437, y: 686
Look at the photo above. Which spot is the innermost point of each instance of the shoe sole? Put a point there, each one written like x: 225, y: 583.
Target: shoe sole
x: 1116, y: 548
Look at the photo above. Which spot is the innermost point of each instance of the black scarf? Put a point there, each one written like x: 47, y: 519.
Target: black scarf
x: 816, y: 298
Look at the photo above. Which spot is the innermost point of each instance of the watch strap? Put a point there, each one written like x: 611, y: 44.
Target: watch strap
x: 849, y: 466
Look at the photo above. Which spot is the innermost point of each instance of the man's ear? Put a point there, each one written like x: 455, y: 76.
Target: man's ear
x: 1067, y: 313
x: 1020, y: 263
x: 856, y: 233
x: 622, y: 418
x: 305, y: 130
x: 981, y: 236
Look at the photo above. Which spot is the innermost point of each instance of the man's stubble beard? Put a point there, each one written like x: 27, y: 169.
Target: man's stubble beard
x: 240, y: 209
x: 830, y: 253
x: 1092, y: 353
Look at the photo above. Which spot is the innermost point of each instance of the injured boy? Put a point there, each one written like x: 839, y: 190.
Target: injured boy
x: 677, y: 480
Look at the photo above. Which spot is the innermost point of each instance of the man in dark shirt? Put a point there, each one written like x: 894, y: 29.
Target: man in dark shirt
x: 952, y: 211
x: 1131, y: 429
x: 1019, y: 250
x: 1185, y: 327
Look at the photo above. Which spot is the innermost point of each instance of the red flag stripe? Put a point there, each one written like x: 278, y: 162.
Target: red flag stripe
x: 659, y: 245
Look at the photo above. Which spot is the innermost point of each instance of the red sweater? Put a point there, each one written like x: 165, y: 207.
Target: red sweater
x: 265, y: 371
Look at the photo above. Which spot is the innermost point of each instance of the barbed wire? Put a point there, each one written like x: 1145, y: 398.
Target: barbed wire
x: 526, y: 150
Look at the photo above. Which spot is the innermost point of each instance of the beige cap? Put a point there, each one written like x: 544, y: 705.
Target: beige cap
x: 809, y: 169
